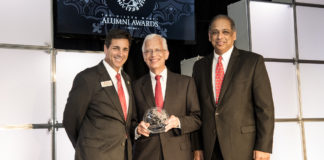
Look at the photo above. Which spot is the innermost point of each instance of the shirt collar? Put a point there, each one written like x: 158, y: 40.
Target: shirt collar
x: 112, y: 73
x: 163, y: 74
x: 226, y: 56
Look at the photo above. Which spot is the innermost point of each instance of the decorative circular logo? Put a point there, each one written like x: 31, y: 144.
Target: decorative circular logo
x: 131, y: 5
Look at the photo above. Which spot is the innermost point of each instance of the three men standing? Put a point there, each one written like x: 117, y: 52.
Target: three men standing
x: 234, y: 93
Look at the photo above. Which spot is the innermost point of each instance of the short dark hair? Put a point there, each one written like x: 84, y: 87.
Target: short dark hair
x: 222, y: 16
x: 117, y: 34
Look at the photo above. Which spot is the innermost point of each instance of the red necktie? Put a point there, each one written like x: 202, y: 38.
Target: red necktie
x: 219, y: 75
x: 121, y: 95
x: 158, y: 93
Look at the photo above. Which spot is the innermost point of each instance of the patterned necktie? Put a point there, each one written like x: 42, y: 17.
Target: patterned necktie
x: 121, y: 95
x: 158, y: 93
x: 219, y: 75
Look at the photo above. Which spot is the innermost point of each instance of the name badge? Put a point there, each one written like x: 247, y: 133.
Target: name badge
x: 106, y: 83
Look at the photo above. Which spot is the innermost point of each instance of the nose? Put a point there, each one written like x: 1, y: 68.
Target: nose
x: 154, y: 53
x: 219, y: 36
x: 119, y: 52
x: 122, y: 52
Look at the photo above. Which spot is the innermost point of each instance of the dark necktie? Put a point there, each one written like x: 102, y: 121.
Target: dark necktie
x: 121, y: 95
x: 219, y: 75
x: 158, y: 93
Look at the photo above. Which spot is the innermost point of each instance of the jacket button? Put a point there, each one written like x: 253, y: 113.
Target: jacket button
x: 216, y: 113
x: 123, y: 144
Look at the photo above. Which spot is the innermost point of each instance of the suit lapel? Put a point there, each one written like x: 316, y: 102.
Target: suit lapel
x: 147, y: 91
x: 232, y: 65
x: 110, y: 90
x: 169, y: 90
x: 210, y: 79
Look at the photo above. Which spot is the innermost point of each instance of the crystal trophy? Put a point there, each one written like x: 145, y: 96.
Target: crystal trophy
x: 156, y: 118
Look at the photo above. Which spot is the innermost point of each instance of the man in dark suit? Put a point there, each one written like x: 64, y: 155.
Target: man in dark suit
x: 97, y: 115
x: 235, y: 98
x: 174, y: 93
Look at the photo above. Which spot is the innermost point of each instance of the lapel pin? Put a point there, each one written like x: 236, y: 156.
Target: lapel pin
x: 106, y: 83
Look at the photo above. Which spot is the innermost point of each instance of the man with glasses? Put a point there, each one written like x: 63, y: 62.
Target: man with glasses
x: 166, y: 91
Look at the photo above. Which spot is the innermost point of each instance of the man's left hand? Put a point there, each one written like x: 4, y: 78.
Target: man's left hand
x: 259, y: 155
x: 172, y: 122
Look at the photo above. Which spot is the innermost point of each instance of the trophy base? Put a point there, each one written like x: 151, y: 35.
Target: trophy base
x: 155, y: 130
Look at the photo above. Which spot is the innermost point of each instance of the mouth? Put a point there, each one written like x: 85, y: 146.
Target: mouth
x: 118, y: 59
x: 154, y: 60
x: 218, y: 43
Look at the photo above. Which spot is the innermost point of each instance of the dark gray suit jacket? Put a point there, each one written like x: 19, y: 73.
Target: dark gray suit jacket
x: 181, y: 100
x: 93, y: 117
x: 243, y: 120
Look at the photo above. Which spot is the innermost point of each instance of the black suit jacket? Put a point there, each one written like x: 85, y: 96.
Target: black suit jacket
x: 181, y: 100
x: 93, y: 117
x: 243, y: 119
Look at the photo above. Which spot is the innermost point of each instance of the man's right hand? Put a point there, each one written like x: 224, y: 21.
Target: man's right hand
x: 198, y: 155
x: 142, y: 129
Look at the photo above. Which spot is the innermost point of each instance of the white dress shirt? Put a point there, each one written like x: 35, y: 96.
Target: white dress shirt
x: 112, y: 73
x: 226, y: 57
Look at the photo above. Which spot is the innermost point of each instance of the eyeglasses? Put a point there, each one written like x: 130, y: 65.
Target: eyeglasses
x: 157, y: 51
x: 224, y: 32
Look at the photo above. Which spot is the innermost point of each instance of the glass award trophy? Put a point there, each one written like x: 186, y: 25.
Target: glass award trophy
x: 156, y: 118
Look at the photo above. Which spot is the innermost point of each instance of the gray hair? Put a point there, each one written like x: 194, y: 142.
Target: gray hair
x: 151, y: 36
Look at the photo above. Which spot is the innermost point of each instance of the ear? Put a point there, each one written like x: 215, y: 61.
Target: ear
x: 166, y: 54
x: 209, y: 37
x: 234, y: 35
x: 143, y: 55
x: 105, y: 48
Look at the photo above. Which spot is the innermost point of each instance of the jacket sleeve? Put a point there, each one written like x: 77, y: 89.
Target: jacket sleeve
x: 76, y: 107
x: 134, y: 120
x: 191, y: 122
x: 196, y: 139
x: 264, y: 109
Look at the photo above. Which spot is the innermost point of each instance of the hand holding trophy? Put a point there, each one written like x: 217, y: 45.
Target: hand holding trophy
x: 142, y: 129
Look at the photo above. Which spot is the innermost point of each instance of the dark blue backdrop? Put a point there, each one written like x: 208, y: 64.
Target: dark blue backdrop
x: 173, y: 19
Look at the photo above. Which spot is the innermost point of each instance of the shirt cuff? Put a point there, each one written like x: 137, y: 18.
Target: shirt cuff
x: 136, y: 134
x: 179, y: 126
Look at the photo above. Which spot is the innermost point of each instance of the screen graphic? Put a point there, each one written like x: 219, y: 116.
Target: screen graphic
x: 173, y: 19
